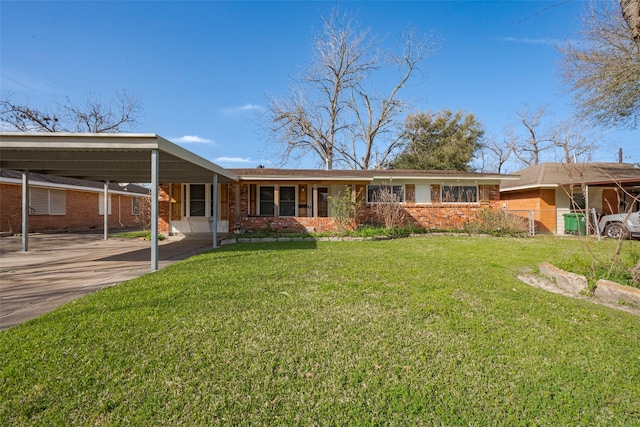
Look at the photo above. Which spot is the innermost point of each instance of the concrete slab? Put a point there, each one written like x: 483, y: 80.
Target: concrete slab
x: 62, y: 267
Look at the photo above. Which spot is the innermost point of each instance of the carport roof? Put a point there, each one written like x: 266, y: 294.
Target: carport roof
x: 106, y: 157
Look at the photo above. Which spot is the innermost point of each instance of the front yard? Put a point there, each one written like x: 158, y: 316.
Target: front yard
x: 420, y: 331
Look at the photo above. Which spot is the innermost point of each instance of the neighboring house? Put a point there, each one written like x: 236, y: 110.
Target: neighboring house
x: 298, y: 200
x: 57, y: 203
x: 549, y: 190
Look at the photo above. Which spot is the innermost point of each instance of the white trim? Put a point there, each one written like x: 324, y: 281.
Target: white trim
x: 70, y: 187
x: 497, y: 179
x: 530, y: 187
x: 301, y: 178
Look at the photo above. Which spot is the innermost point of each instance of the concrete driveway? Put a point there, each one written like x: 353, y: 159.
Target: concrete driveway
x: 59, y: 268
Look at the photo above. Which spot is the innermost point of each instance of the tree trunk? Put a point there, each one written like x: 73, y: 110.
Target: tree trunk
x: 631, y: 13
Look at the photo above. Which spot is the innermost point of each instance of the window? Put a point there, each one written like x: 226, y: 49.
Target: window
x: 287, y: 201
x: 578, y: 202
x: 267, y: 201
x: 136, y: 202
x: 385, y: 193
x: 459, y: 193
x: 45, y: 201
x: 101, y: 204
x: 197, y: 200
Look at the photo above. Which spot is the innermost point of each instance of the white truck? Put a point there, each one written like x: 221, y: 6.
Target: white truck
x: 625, y: 225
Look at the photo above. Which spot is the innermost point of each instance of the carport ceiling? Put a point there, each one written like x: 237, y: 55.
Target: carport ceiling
x: 106, y: 157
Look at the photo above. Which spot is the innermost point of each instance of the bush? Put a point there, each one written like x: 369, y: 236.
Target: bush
x: 388, y: 209
x: 497, y: 223
x: 344, y: 208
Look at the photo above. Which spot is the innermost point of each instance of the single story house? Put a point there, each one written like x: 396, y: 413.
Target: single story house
x: 298, y: 199
x: 548, y: 191
x: 59, y: 203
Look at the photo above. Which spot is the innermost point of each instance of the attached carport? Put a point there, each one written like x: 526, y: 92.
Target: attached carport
x: 123, y: 158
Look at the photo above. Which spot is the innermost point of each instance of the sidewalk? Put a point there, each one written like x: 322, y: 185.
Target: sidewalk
x: 59, y: 268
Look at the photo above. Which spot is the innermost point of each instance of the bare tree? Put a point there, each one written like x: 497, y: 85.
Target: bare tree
x: 529, y: 148
x: 333, y: 113
x: 603, y: 70
x: 493, y: 156
x: 568, y: 141
x: 631, y: 14
x: 574, y: 140
x: 94, y: 116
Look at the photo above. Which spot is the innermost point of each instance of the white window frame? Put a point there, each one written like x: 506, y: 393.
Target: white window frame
x: 403, y: 193
x: 475, y: 186
x: 47, y: 201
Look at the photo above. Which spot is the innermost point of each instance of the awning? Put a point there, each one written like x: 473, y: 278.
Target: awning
x: 136, y: 158
x: 102, y: 157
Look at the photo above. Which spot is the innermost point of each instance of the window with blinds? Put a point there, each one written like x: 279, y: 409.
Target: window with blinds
x: 46, y: 201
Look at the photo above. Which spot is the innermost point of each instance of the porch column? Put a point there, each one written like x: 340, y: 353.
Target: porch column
x: 106, y: 209
x: 215, y: 210
x: 276, y: 201
x: 314, y: 190
x: 154, y: 208
x: 25, y: 210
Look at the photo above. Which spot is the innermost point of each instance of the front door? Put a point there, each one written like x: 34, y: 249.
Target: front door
x: 323, y: 201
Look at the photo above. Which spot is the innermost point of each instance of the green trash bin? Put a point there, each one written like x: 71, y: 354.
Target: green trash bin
x: 575, y: 223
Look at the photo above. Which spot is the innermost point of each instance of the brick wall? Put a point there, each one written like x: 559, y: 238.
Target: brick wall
x: 81, y: 212
x: 541, y: 201
x: 164, y: 207
x: 429, y: 216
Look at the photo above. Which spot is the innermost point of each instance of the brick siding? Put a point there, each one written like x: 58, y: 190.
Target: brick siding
x: 81, y: 212
x: 429, y: 216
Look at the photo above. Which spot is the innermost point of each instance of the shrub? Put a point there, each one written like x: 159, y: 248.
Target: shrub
x: 388, y: 209
x: 344, y: 208
x: 497, y: 223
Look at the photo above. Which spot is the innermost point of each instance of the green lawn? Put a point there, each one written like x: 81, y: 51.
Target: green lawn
x: 420, y: 331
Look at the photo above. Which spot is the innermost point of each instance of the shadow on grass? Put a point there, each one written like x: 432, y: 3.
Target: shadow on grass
x: 272, y: 246
x: 187, y: 248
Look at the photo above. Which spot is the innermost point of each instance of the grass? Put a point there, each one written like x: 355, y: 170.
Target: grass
x: 595, y: 264
x: 421, y: 331
x: 136, y: 234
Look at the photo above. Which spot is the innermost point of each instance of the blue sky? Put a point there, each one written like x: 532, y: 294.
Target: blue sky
x: 204, y: 69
